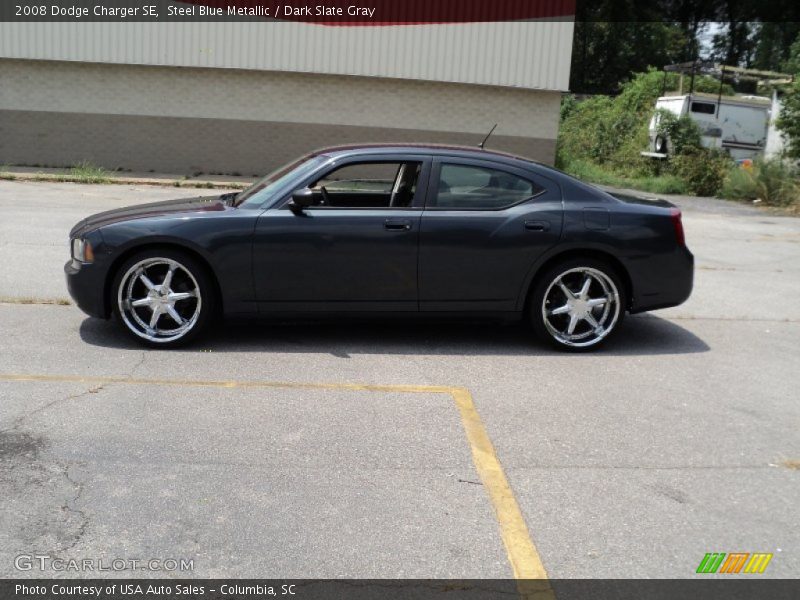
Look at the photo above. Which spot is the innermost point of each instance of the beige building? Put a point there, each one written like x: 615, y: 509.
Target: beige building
x: 244, y: 97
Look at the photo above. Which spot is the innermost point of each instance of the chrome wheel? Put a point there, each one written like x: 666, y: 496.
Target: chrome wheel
x: 159, y: 299
x: 581, y: 306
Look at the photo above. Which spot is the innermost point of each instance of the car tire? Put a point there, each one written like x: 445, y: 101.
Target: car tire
x: 573, y: 315
x: 163, y: 298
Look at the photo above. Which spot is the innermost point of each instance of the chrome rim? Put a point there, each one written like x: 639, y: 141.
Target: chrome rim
x: 581, y: 307
x: 159, y: 299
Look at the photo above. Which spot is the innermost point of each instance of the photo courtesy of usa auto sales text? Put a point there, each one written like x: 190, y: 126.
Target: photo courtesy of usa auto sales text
x: 136, y: 590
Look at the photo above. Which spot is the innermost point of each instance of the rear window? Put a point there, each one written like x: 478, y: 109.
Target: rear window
x: 470, y: 187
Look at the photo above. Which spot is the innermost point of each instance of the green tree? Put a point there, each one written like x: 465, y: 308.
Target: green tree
x: 615, y: 38
x: 774, y: 45
x: 792, y: 63
x: 789, y: 120
x: 607, y: 53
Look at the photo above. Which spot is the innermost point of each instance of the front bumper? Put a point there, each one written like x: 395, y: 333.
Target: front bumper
x: 86, y: 285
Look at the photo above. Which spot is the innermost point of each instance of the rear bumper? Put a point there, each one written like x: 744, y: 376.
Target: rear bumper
x: 662, y: 281
x: 86, y: 285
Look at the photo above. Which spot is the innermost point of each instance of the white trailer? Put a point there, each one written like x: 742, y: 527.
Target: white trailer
x: 735, y: 124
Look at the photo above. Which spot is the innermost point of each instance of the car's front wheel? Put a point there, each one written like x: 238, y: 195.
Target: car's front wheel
x: 577, y: 304
x: 163, y: 297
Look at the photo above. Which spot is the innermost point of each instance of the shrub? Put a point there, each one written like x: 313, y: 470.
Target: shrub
x: 640, y: 93
x: 703, y: 170
x: 773, y: 182
x: 682, y: 132
x: 585, y: 131
x: 614, y: 130
x: 740, y: 184
x: 789, y: 120
x: 776, y: 183
x: 568, y: 103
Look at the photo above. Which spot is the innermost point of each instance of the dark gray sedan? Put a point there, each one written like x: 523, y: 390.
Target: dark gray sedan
x: 395, y: 230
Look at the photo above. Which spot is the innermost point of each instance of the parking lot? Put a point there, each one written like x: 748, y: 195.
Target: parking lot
x: 397, y: 450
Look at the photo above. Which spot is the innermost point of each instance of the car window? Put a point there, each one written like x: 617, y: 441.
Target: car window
x: 261, y: 190
x: 368, y: 185
x: 473, y: 187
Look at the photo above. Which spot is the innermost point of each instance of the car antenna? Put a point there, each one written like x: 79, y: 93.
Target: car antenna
x: 487, y: 136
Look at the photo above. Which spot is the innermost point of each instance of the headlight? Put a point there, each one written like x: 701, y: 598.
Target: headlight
x: 82, y: 251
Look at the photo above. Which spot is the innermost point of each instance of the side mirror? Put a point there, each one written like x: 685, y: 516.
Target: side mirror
x: 301, y: 199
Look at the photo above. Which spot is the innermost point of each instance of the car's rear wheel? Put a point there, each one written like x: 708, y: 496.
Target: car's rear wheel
x: 163, y: 297
x: 577, y: 304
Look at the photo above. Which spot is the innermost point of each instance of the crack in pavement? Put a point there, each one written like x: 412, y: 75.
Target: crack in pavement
x: 17, y: 423
x: 137, y: 365
x: 70, y: 507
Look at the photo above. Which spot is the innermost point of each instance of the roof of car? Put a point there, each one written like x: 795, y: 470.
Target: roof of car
x: 423, y: 148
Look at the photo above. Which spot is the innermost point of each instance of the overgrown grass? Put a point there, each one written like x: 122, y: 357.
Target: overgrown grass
x: 773, y: 182
x: 86, y: 172
x: 655, y: 184
x: 33, y: 300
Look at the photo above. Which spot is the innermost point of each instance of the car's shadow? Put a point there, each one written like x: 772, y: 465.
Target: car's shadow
x: 638, y: 335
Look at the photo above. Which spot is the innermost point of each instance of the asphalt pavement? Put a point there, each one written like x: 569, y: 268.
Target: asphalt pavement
x: 382, y: 450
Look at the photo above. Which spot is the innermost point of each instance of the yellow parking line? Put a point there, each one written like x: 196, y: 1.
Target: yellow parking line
x: 525, y: 560
x: 526, y: 564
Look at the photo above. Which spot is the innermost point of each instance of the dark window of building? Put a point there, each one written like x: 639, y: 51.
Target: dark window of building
x: 706, y: 108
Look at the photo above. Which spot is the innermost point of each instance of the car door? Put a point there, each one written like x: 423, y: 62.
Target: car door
x: 356, y: 248
x: 485, y: 223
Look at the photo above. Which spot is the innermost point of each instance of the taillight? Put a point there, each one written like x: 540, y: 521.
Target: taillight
x: 675, y: 215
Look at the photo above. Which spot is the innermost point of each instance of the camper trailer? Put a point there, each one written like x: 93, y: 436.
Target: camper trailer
x: 735, y: 124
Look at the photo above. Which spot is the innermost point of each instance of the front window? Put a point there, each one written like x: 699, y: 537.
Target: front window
x: 368, y: 185
x: 265, y: 187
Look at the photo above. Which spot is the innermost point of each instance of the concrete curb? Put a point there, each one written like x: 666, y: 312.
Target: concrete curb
x: 111, y: 179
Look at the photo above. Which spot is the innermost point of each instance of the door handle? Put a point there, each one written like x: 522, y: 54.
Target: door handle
x: 537, y: 225
x: 397, y: 225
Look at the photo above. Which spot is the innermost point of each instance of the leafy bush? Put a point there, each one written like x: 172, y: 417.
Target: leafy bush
x: 568, y: 103
x: 682, y: 132
x: 614, y: 130
x: 587, y: 132
x: 601, y: 139
x: 789, y: 120
x: 703, y: 170
x: 640, y: 93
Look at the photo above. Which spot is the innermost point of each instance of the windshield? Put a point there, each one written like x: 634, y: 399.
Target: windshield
x: 262, y: 189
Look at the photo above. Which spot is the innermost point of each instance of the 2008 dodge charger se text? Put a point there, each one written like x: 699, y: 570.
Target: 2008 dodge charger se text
x: 393, y: 229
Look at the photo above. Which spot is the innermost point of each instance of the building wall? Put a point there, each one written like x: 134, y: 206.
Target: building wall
x: 178, y: 119
x: 532, y: 54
